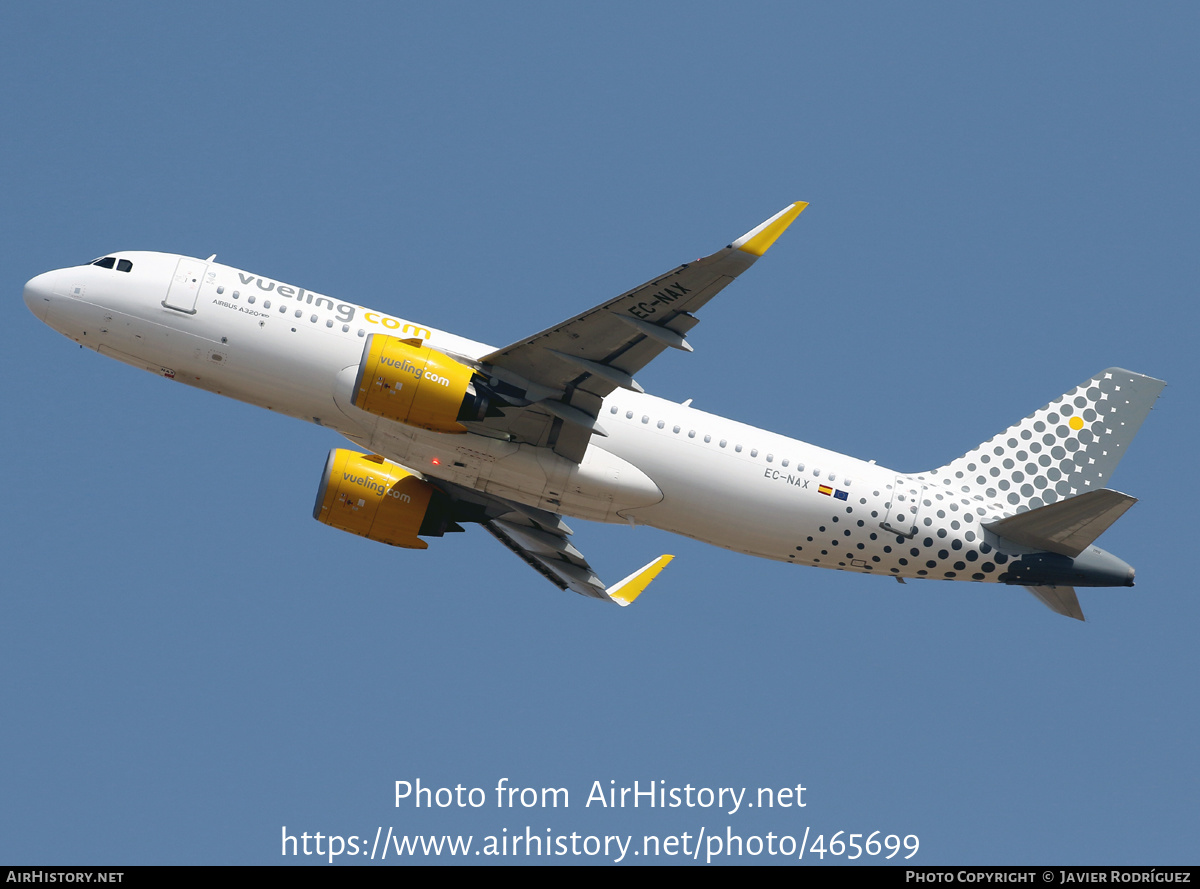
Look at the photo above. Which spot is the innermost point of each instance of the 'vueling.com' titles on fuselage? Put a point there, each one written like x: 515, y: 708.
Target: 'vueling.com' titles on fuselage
x: 345, y: 311
x: 555, y: 426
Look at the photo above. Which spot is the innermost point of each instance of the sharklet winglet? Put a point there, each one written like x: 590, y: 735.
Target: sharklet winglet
x: 758, y: 240
x: 625, y: 591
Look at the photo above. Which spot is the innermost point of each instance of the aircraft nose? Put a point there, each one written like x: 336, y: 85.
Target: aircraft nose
x: 38, y: 292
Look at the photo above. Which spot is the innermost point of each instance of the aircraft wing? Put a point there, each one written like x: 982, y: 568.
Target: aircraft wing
x: 563, y: 373
x: 541, y: 540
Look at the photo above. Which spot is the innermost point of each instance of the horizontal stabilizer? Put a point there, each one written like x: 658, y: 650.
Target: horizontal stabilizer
x: 1060, y: 599
x: 1066, y: 527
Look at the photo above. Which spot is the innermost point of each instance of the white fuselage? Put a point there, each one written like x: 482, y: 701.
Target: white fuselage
x: 661, y: 464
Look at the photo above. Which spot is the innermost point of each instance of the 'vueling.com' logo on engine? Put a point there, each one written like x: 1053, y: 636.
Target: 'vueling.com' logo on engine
x: 408, y: 367
x: 405, y: 366
x: 378, y: 487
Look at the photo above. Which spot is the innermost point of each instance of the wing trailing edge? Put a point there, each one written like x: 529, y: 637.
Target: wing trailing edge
x: 556, y: 559
x: 567, y: 370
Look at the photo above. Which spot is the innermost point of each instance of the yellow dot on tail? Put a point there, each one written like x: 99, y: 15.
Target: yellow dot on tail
x: 1076, y: 423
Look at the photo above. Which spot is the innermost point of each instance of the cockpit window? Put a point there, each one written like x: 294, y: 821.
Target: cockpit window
x: 108, y: 262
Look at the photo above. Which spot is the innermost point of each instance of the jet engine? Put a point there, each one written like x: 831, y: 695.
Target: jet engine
x: 406, y: 381
x: 373, y: 498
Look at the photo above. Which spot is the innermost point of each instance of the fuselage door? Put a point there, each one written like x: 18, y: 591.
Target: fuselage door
x: 903, y: 507
x: 185, y: 285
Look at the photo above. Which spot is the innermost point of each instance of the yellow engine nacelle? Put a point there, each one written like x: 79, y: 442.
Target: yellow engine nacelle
x: 368, y: 496
x: 406, y: 381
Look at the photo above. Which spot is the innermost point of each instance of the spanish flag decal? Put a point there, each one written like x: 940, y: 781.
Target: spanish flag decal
x: 825, y: 489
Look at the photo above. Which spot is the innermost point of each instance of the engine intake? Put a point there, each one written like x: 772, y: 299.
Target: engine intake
x: 373, y: 498
x: 406, y: 381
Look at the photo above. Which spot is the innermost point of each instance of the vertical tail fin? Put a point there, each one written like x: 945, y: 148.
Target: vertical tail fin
x: 1068, y: 447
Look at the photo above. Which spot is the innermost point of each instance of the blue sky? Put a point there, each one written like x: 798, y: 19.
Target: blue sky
x: 1002, y: 202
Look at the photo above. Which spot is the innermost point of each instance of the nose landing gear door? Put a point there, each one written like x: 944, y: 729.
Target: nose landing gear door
x: 185, y: 285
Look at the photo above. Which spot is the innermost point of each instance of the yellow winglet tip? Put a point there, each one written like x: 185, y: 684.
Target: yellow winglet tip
x: 759, y: 239
x: 635, y: 584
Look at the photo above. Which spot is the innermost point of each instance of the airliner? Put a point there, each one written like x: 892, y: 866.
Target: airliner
x: 455, y: 432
